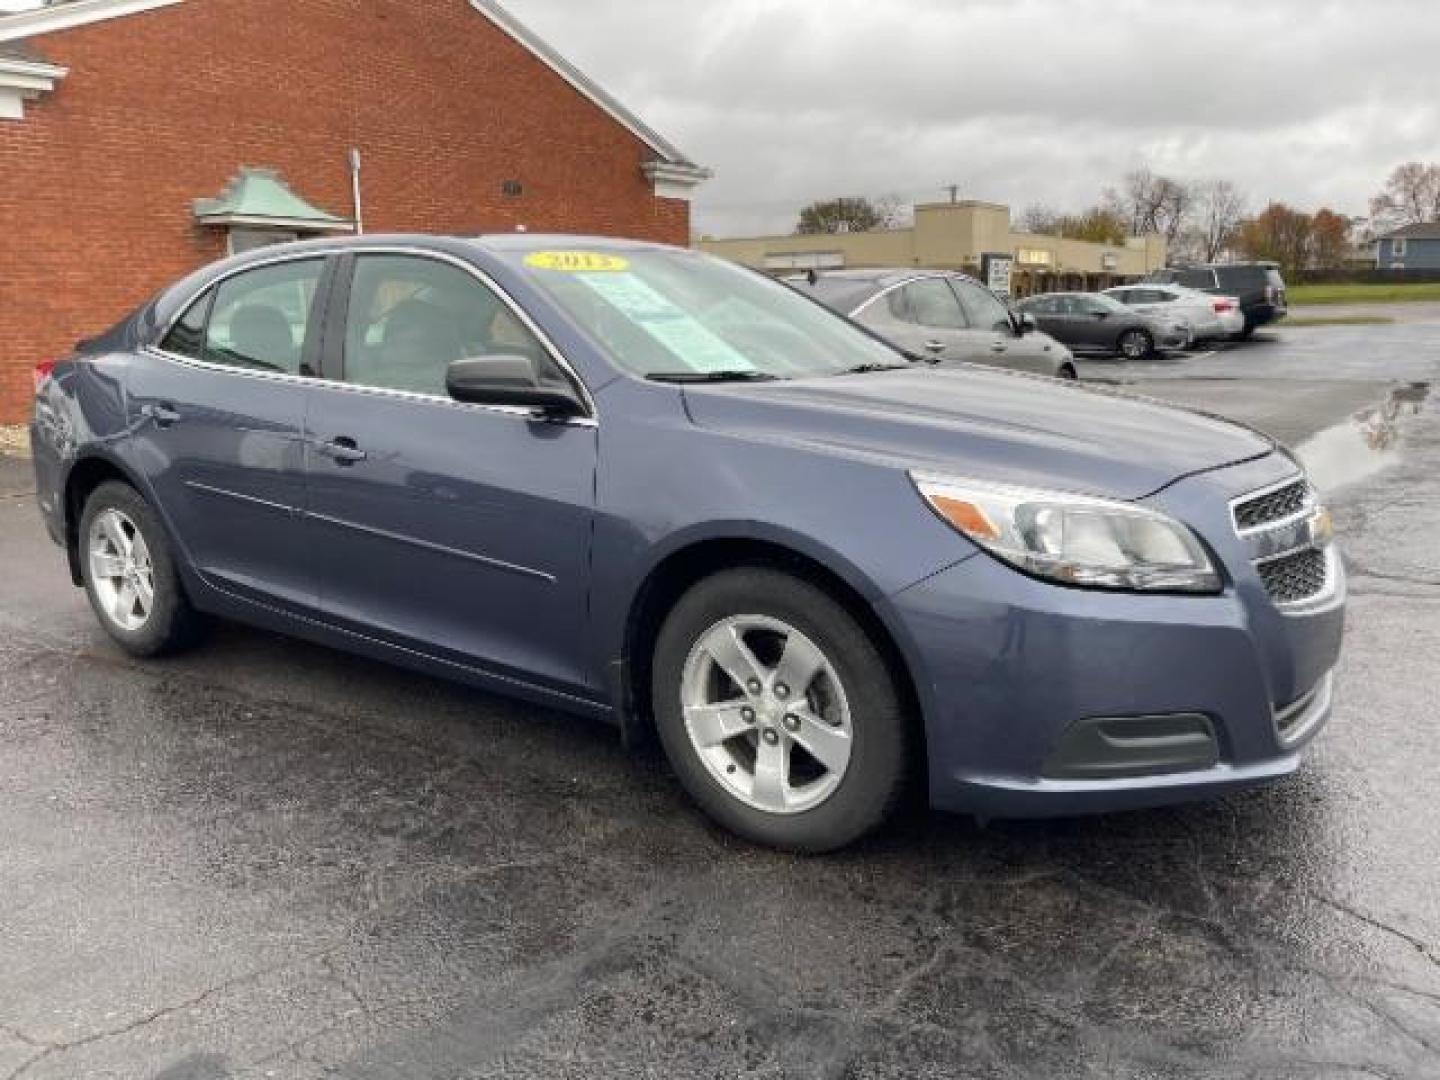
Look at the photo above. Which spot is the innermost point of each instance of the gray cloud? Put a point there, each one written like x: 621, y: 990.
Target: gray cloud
x: 1015, y: 100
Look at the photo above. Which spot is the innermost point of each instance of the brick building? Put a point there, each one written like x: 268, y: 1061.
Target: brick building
x: 142, y: 138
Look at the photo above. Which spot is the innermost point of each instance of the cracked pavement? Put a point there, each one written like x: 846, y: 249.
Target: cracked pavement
x: 267, y: 859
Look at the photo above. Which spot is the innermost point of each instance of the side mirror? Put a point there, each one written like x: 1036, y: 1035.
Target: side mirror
x: 1025, y: 323
x: 512, y: 381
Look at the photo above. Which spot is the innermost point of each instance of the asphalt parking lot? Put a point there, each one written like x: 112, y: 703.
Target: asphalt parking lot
x: 266, y: 859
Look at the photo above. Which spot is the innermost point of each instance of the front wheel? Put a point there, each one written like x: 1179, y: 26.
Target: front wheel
x: 778, y: 712
x: 1135, y: 344
x: 130, y: 575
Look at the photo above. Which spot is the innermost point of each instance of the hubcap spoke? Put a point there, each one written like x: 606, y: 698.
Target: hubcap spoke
x: 711, y: 725
x: 772, y: 774
x: 734, y: 657
x: 140, y: 550
x: 125, y: 604
x: 115, y: 533
x: 144, y: 591
x: 798, y: 666
x: 107, y: 565
x: 828, y: 745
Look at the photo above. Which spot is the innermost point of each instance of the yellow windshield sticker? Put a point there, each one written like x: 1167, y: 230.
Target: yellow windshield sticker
x: 577, y: 262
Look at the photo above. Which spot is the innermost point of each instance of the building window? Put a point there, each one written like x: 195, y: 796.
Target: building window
x: 1397, y: 248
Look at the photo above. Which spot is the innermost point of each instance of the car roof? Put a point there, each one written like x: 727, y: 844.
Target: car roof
x: 847, y: 290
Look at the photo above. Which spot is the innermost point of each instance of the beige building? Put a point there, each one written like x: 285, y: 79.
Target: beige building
x: 956, y: 236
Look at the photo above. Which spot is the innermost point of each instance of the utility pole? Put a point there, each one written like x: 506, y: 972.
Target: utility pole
x: 954, y: 190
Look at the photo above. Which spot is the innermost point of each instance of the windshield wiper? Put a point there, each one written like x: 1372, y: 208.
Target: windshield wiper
x: 737, y: 375
x: 866, y: 369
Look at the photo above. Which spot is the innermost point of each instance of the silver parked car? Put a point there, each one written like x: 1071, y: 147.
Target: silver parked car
x: 940, y: 316
x: 1094, y: 322
x: 1209, y: 316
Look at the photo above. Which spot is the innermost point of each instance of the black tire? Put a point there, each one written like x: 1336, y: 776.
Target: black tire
x: 874, y: 781
x: 1143, y: 344
x: 1067, y: 372
x: 1248, y: 332
x: 172, y: 624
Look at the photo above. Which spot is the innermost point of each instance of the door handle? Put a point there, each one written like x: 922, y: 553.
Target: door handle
x: 342, y: 450
x: 162, y: 413
x: 935, y: 346
x: 998, y: 346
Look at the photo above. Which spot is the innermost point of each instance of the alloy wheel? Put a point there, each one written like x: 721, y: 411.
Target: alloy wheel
x: 766, y: 713
x: 1134, y: 345
x: 121, y: 571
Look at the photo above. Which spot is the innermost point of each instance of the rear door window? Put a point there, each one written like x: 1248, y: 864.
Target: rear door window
x: 1241, y: 277
x: 1197, y: 278
x: 187, y: 337
x: 931, y: 303
x: 262, y: 318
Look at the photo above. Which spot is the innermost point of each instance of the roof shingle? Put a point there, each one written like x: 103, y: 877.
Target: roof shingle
x: 1421, y: 230
x: 21, y: 50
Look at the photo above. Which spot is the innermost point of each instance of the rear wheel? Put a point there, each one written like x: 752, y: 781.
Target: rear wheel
x: 130, y: 576
x: 778, y: 713
x: 1067, y: 371
x: 1135, y: 344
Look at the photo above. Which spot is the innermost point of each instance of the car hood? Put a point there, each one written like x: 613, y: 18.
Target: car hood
x: 986, y: 424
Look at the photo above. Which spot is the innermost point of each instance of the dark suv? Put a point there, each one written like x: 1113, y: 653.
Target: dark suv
x: 1257, y: 285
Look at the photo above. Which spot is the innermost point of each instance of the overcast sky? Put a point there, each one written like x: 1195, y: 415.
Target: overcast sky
x: 1017, y: 101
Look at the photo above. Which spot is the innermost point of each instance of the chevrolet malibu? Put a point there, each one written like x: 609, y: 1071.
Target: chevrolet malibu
x: 645, y: 485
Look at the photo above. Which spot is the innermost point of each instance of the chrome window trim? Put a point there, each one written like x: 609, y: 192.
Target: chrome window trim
x: 378, y: 391
x: 331, y: 251
x: 885, y: 292
x: 1308, y: 508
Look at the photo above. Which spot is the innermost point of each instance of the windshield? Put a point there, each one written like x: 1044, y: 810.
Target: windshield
x: 679, y: 313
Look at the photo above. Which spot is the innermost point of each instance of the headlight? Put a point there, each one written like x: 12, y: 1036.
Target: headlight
x: 1073, y: 539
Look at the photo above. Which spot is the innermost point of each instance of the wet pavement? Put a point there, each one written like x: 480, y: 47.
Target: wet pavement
x: 266, y: 859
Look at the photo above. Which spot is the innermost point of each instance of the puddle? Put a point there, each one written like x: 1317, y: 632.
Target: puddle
x: 1363, y: 445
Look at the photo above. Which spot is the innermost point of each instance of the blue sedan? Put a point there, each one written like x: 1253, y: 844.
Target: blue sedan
x: 649, y: 486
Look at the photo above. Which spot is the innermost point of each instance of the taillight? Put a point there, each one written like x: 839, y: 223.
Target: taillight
x: 42, y: 372
x: 1223, y: 305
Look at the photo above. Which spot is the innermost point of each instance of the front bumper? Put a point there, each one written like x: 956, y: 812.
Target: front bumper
x: 1007, y: 666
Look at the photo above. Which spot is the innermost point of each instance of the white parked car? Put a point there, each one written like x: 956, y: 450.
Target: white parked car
x: 1209, y: 316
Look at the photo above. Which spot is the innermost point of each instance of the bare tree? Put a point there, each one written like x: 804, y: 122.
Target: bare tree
x: 895, y: 212
x: 1150, y: 203
x: 1041, y: 219
x: 1219, y: 210
x: 1411, y: 196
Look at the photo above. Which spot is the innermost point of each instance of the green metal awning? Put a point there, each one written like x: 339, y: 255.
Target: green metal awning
x: 258, y: 197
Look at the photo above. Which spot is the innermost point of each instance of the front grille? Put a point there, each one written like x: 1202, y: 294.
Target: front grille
x: 1292, y: 578
x: 1272, y: 506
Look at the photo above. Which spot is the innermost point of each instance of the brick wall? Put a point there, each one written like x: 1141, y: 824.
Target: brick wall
x: 163, y: 107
